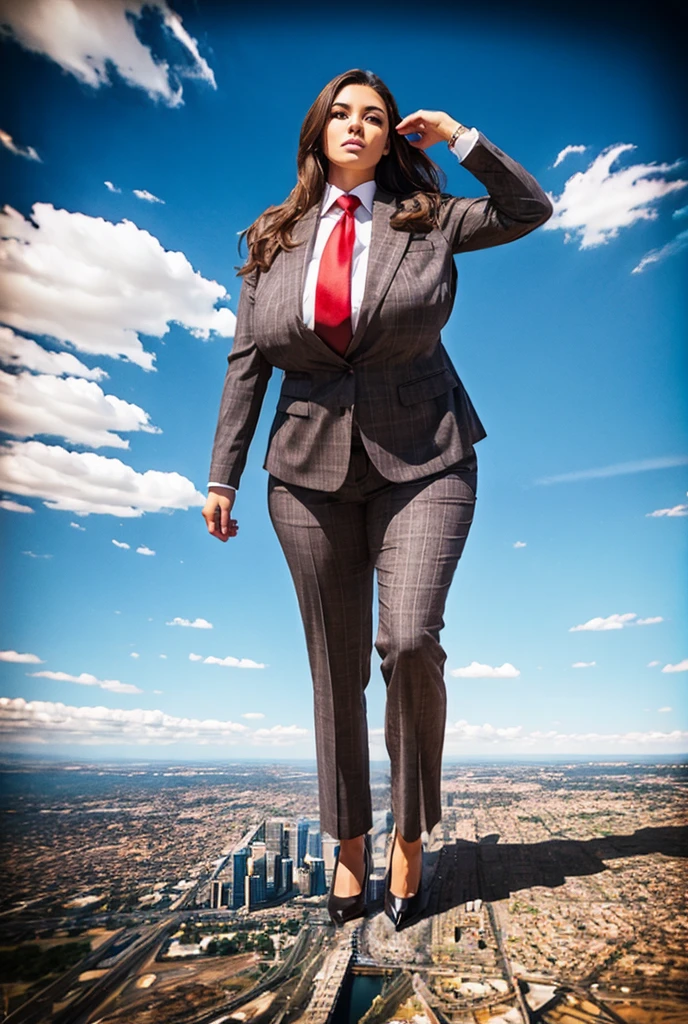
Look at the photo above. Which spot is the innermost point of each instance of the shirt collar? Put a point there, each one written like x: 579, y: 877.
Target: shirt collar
x: 365, y: 192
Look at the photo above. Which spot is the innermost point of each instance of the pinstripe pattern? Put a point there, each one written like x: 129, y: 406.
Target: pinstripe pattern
x: 372, y: 469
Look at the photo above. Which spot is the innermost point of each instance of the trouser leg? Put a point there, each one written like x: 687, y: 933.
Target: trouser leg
x: 417, y: 533
x: 326, y: 548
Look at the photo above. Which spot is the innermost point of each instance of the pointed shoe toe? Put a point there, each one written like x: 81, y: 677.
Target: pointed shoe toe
x: 346, y: 908
x: 402, y: 910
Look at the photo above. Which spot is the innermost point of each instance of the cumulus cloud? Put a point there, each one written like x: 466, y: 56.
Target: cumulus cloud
x: 14, y: 506
x: 583, y: 664
x: 230, y: 662
x: 86, y: 483
x: 194, y: 657
x: 72, y: 408
x: 615, y: 621
x: 44, y: 721
x: 279, y: 736
x: 110, y: 187
x: 195, y: 624
x: 563, y: 153
x: 681, y: 666
x: 520, y: 544
x: 143, y: 550
x: 143, y: 193
x: 477, y: 671
x: 664, y: 710
x: 86, y: 679
x: 28, y: 152
x: 97, y: 285
x: 652, y: 664
x: 618, y: 469
x: 598, y: 202
x: 121, y: 544
x: 22, y: 659
x: 76, y: 526
x: 134, y: 654
x: 16, y: 351
x: 253, y: 714
x: 88, y: 38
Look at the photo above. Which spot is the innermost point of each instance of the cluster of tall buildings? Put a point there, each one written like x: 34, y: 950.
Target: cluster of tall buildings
x: 277, y: 858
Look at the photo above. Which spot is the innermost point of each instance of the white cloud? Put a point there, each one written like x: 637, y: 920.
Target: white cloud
x: 563, y: 153
x: 75, y: 409
x: 196, y: 624
x: 43, y: 721
x: 520, y: 544
x: 17, y: 351
x: 671, y: 248
x: 143, y: 193
x: 163, y: 656
x: 279, y: 736
x: 583, y: 664
x: 677, y: 510
x: 598, y: 202
x: 134, y: 654
x: 98, y: 285
x: 143, y: 550
x: 253, y: 714
x: 230, y: 662
x: 194, y: 657
x: 86, y: 679
x: 652, y: 664
x: 88, y: 37
x: 618, y: 469
x: 121, y: 544
x: 14, y: 506
x: 86, y: 483
x: 681, y: 666
x: 477, y: 671
x: 21, y: 659
x: 28, y: 152
x: 616, y: 621
x: 110, y: 187
x: 32, y: 554
x: 664, y: 710
x: 76, y: 526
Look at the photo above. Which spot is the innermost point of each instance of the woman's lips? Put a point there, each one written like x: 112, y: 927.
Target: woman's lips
x: 353, y: 144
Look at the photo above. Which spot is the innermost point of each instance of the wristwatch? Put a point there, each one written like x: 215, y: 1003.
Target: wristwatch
x: 458, y: 131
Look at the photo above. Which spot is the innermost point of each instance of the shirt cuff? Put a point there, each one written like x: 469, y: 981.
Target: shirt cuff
x: 465, y: 143
x: 212, y: 483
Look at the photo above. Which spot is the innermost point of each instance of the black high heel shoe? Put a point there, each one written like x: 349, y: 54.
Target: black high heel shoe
x: 403, y: 910
x: 345, y: 908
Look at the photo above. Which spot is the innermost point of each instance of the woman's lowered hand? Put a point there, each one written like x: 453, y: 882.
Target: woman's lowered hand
x: 216, y: 513
x: 433, y: 125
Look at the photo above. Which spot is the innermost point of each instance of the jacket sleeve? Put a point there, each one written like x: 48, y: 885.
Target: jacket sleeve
x: 515, y: 205
x: 246, y: 379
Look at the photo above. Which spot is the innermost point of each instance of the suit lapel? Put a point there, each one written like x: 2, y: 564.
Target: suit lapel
x: 387, y: 247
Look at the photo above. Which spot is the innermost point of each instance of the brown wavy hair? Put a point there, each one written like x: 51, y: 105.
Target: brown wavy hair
x: 405, y: 171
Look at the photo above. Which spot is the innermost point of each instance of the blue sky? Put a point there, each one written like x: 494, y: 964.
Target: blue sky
x: 566, y: 623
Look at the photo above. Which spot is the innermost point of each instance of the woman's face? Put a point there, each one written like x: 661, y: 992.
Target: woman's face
x: 357, y: 114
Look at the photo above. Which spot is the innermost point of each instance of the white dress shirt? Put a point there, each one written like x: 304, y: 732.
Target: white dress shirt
x: 330, y: 213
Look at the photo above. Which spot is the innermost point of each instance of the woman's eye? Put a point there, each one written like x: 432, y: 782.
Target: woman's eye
x: 375, y: 118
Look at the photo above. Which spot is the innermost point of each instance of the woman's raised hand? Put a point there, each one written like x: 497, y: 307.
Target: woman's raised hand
x: 216, y: 512
x: 433, y: 125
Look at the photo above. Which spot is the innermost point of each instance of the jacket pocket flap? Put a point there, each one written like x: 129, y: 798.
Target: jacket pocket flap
x: 430, y: 386
x: 419, y: 245
x: 285, y: 403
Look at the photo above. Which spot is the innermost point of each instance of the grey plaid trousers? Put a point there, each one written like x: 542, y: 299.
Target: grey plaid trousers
x: 412, y: 534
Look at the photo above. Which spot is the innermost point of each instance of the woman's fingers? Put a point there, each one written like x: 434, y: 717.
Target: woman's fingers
x: 216, y: 513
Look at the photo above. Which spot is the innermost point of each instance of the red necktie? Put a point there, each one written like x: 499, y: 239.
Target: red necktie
x: 333, y: 289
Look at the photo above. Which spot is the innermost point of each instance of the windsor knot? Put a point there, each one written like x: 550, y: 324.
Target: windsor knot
x: 348, y: 203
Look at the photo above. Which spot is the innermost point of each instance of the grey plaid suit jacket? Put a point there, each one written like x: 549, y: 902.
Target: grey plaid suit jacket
x: 413, y: 412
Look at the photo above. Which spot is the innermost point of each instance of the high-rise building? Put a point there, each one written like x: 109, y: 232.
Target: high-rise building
x: 303, y: 880
x: 219, y: 892
x: 286, y: 876
x: 314, y: 841
x: 252, y: 891
x: 239, y: 873
x: 298, y: 841
x: 318, y: 885
x: 257, y: 868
